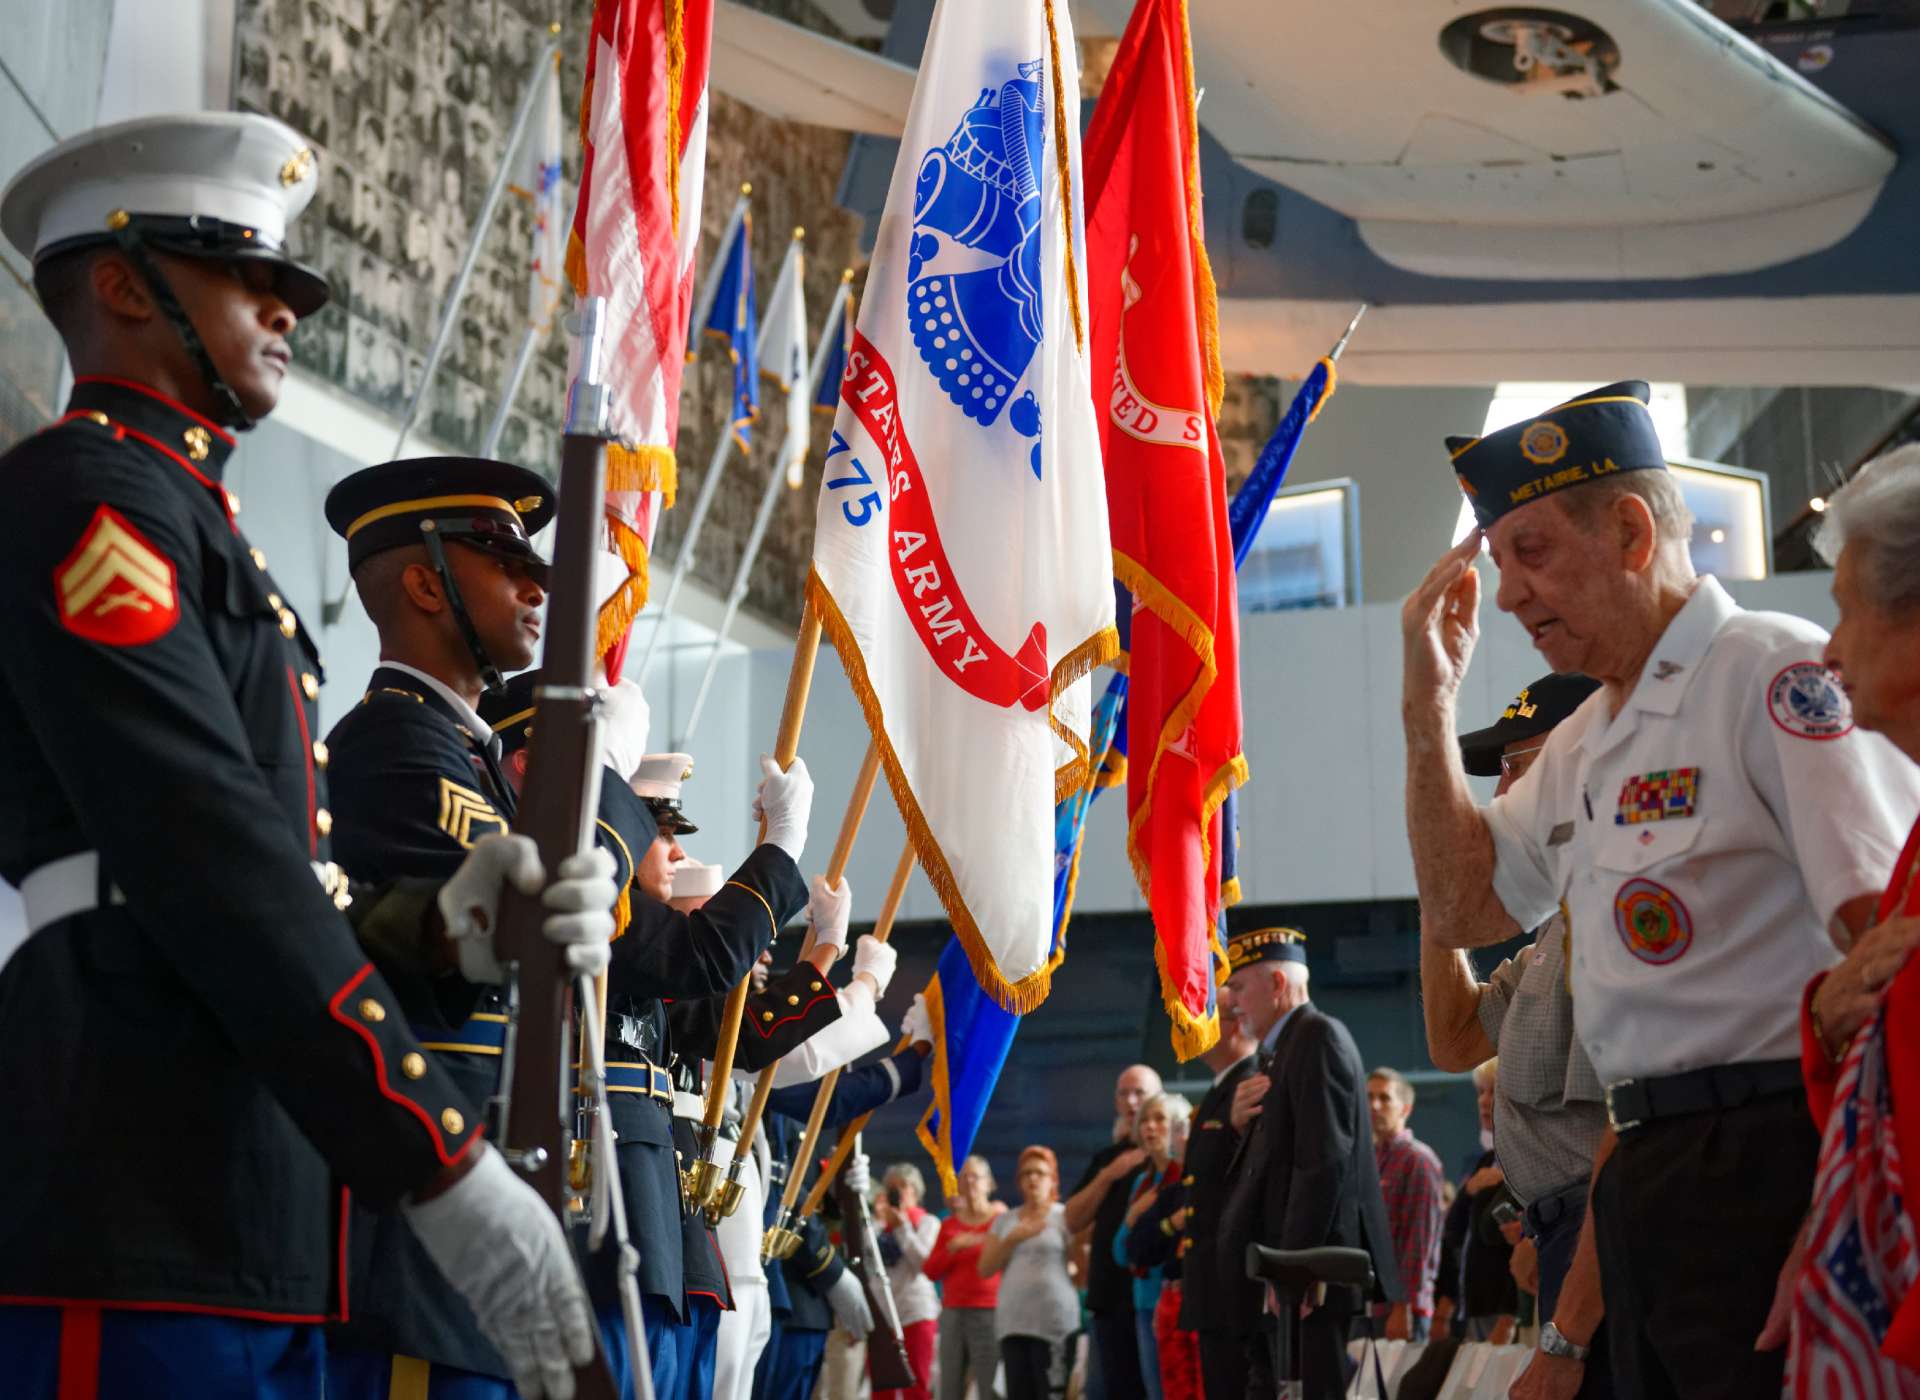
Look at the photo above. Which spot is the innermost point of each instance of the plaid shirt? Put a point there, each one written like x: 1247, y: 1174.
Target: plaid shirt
x: 1410, y: 1180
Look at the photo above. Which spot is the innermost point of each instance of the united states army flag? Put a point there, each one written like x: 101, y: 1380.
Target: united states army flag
x: 961, y: 563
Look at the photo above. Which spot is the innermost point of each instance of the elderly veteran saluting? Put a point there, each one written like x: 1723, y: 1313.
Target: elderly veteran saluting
x: 1714, y: 827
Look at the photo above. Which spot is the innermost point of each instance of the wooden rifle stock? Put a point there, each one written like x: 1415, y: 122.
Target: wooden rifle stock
x: 887, y: 1359
x: 557, y: 804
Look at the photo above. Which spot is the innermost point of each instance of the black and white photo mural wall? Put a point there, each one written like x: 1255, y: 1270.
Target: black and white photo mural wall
x: 409, y: 105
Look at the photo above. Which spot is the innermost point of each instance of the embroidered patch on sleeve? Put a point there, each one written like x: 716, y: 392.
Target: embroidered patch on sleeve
x: 465, y: 815
x: 1807, y: 702
x: 116, y: 587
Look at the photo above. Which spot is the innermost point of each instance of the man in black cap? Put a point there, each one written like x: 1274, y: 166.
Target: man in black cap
x: 194, y: 1050
x: 1549, y: 1107
x: 1713, y: 825
x: 1305, y: 1174
x: 659, y: 955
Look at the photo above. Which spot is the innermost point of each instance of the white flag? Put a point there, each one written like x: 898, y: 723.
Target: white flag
x: 782, y: 353
x: 961, y: 560
x: 547, y: 268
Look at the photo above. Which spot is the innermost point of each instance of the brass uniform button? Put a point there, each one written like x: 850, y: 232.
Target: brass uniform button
x: 321, y: 753
x: 259, y: 556
x: 233, y: 503
x: 766, y: 1015
x: 323, y: 822
x: 453, y: 1120
x: 413, y: 1064
x: 793, y: 1000
x: 371, y: 1010
x: 309, y: 685
x: 813, y: 986
x: 199, y: 442
x: 94, y: 415
x: 1186, y: 1181
x: 289, y: 624
x: 274, y: 601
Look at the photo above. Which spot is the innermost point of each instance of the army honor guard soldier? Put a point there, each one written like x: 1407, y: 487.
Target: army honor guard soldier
x: 662, y: 955
x: 196, y: 1052
x: 1712, y: 824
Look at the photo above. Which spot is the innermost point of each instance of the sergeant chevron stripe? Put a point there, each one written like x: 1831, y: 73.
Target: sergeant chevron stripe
x: 462, y: 810
x: 116, y: 587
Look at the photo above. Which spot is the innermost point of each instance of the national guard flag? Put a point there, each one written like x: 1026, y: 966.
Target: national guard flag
x: 836, y: 338
x: 636, y: 228
x: 782, y: 352
x: 1155, y: 336
x: 961, y: 560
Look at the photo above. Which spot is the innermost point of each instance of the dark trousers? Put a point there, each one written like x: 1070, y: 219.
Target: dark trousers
x: 1694, y: 1217
x: 1554, y: 1223
x: 115, y: 1354
x: 1119, y: 1345
x: 1223, y: 1364
x: 1321, y: 1362
x: 1028, y: 1364
x: 790, y: 1365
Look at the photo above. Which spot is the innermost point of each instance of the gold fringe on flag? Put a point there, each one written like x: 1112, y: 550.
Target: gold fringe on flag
x: 676, y: 81
x: 1029, y: 991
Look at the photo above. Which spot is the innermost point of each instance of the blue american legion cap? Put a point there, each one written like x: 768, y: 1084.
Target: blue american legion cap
x: 1266, y: 945
x: 1586, y: 439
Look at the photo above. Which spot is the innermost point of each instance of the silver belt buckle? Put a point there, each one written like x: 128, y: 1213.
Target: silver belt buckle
x: 1613, y: 1118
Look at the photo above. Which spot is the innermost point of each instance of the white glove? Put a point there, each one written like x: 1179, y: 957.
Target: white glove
x: 876, y: 959
x: 916, y: 1027
x: 497, y: 1243
x: 581, y: 900
x: 625, y: 718
x: 858, y: 1174
x: 830, y: 910
x: 784, y: 802
x: 849, y: 1303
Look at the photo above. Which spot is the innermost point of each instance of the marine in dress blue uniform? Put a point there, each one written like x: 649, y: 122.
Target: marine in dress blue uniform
x: 800, y: 1287
x: 661, y: 954
x: 197, y: 1061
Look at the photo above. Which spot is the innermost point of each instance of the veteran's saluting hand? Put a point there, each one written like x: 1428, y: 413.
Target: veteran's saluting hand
x: 1439, y: 624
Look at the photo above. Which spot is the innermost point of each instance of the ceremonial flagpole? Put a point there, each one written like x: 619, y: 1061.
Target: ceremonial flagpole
x: 701, y: 1178
x: 780, y: 1240
x: 769, y: 496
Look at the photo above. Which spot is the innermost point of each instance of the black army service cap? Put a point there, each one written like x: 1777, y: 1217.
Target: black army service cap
x: 1586, y: 439
x: 1534, y: 711
x: 485, y: 504
x: 221, y: 185
x: 1266, y: 945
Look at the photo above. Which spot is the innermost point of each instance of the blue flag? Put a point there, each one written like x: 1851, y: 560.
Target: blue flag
x: 971, y: 1033
x: 735, y: 319
x: 836, y: 338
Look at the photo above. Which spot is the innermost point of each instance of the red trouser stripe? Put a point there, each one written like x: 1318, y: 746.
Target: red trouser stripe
x: 79, y: 1353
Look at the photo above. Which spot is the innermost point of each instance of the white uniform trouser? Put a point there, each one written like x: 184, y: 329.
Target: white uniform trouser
x: 745, y: 1330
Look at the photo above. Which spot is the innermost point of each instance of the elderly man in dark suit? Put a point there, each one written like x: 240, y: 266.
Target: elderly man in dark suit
x: 1305, y: 1175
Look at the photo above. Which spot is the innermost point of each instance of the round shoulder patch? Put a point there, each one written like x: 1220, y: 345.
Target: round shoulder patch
x: 1652, y: 921
x: 1806, y: 700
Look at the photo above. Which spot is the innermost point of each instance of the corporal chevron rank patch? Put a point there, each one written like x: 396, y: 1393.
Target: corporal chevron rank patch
x: 116, y: 587
x: 466, y: 815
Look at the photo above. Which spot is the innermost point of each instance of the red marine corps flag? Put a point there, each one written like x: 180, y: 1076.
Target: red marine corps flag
x: 961, y: 560
x: 1156, y: 348
x: 643, y: 122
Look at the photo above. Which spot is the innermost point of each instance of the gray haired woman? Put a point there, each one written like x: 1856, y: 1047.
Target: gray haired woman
x: 1860, y: 1022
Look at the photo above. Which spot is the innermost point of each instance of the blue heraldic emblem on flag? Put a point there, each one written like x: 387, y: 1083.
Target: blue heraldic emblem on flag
x: 977, y: 315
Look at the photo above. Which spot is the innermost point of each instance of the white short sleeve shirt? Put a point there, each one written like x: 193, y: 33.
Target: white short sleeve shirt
x: 1703, y: 840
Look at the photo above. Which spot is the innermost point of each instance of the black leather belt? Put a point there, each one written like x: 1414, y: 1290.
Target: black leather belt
x: 1634, y: 1103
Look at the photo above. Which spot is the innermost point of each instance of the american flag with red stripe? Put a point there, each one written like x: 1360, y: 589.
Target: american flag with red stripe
x: 1861, y: 1259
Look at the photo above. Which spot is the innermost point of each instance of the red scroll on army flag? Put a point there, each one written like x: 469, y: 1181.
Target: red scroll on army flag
x: 1155, y: 339
x: 643, y: 123
x: 961, y: 561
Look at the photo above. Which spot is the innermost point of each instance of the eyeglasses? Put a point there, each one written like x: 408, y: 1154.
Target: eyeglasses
x: 1512, y: 765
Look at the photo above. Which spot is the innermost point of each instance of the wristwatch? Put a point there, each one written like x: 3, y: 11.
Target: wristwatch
x: 1554, y: 1343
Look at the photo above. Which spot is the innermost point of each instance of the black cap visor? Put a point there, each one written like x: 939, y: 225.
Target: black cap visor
x: 667, y: 812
